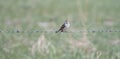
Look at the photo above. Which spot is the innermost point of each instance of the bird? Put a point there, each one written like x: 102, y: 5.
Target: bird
x: 64, y: 27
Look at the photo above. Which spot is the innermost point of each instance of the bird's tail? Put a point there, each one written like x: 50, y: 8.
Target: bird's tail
x: 57, y: 31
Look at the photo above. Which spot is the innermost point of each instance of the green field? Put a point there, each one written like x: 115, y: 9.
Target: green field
x: 27, y: 29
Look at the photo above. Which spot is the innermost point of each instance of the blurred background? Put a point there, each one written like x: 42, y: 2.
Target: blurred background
x: 27, y: 29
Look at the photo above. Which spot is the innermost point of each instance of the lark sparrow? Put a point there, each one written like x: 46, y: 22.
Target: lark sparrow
x: 64, y: 27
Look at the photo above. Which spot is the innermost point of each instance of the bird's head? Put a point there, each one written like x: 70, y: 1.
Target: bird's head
x: 66, y: 21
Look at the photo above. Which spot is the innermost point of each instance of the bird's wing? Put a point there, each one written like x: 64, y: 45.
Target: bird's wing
x: 62, y: 27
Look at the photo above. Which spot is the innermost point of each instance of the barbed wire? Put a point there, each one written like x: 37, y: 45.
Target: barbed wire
x: 70, y: 31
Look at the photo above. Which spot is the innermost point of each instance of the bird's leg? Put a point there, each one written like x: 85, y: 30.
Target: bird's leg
x: 62, y: 30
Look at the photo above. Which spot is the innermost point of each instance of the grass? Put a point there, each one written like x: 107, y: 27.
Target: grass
x: 37, y: 21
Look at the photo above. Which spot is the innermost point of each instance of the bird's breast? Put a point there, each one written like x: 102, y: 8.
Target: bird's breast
x: 67, y: 25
